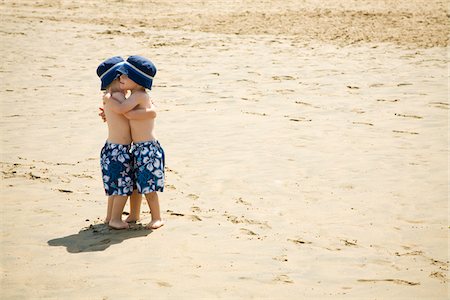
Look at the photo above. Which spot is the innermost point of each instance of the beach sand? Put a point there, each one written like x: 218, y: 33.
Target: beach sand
x: 306, y: 145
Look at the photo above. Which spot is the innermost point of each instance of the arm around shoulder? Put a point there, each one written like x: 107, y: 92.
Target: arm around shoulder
x: 142, y: 113
x: 127, y: 105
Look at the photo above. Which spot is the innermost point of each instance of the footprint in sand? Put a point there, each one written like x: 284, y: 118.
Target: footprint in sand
x: 442, y: 105
x: 170, y: 187
x: 297, y: 119
x: 405, y: 132
x: 299, y: 241
x: 408, y: 116
x: 242, y: 201
x: 376, y: 85
x: 195, y: 209
x: 255, y: 113
x: 440, y: 276
x: 251, y: 235
x: 388, y: 100
x: 193, y: 196
x: 163, y: 284
x: 412, y: 253
x: 285, y: 77
x: 442, y: 265
x: 363, y: 123
x: 171, y: 171
x: 282, y: 258
x: 306, y: 104
x: 358, y: 111
x: 285, y: 91
x: 194, y: 218
x: 349, y: 243
x: 175, y: 213
x: 248, y: 99
x: 242, y: 219
x: 283, y: 279
x: 248, y: 231
x: 396, y: 281
x: 35, y: 177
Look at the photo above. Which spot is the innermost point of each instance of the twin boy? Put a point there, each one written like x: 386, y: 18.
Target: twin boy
x: 132, y: 160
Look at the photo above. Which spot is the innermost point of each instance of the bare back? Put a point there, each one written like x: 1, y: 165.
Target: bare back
x: 118, y: 127
x: 143, y: 130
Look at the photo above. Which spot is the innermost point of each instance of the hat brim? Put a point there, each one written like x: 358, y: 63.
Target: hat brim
x: 135, y: 76
x: 109, y: 77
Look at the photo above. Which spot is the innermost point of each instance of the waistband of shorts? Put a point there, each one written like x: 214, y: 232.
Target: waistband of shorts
x: 151, y: 142
x: 118, y: 146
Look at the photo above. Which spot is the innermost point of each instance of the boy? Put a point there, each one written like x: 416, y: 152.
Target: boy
x: 136, y: 75
x: 116, y: 159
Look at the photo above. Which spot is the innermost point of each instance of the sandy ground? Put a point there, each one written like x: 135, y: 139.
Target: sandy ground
x: 306, y: 143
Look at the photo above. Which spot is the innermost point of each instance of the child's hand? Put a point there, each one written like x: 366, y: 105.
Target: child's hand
x: 102, y: 114
x: 106, y: 97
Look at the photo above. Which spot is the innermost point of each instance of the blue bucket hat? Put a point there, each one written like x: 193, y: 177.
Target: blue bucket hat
x: 139, y: 69
x: 107, y: 70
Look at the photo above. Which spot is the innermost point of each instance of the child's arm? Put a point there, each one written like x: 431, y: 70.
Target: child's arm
x: 118, y: 96
x: 141, y: 113
x: 125, y: 106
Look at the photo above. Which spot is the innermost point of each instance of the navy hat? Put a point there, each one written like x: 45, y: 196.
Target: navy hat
x: 139, y: 69
x: 107, y: 70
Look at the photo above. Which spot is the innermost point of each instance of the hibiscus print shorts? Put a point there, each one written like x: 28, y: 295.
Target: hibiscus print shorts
x: 149, y: 164
x: 116, y: 162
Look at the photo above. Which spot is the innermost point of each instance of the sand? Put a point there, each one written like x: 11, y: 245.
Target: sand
x: 306, y: 144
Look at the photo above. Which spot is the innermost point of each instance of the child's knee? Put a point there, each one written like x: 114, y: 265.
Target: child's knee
x: 151, y: 195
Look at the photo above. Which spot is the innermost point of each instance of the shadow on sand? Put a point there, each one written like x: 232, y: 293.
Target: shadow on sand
x: 98, y: 238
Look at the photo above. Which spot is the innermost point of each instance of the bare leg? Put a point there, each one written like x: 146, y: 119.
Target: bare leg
x: 135, y: 207
x: 116, y: 214
x: 109, y: 209
x: 153, y: 203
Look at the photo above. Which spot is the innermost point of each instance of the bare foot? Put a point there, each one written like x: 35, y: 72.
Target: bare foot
x: 132, y: 219
x: 118, y: 224
x: 106, y: 221
x: 155, y: 224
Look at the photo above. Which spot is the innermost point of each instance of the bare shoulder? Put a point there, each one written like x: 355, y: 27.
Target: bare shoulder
x: 141, y: 96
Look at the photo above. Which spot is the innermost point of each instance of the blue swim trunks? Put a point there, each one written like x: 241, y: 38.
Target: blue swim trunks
x: 116, y: 162
x: 149, y: 164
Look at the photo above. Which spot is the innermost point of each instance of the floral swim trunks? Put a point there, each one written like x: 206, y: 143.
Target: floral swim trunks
x: 149, y: 164
x: 116, y: 162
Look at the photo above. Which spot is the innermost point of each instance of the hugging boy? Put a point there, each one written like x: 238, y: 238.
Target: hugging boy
x: 126, y: 166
